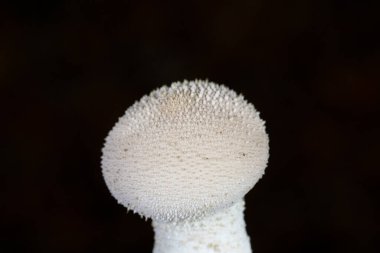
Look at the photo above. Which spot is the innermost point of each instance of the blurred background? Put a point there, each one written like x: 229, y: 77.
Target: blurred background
x: 69, y: 69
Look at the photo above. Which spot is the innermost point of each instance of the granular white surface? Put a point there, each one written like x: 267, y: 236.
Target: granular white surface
x: 185, y: 151
x: 222, y: 232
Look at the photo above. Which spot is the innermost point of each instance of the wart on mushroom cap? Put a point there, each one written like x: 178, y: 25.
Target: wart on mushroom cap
x: 185, y: 151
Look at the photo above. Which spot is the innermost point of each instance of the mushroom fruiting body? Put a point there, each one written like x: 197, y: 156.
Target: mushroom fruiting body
x: 185, y: 156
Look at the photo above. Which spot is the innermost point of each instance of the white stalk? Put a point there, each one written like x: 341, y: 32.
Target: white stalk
x: 223, y: 232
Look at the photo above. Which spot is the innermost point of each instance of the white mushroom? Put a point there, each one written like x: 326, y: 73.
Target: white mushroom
x: 185, y: 156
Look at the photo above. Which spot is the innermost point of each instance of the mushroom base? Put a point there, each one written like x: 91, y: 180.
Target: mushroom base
x: 222, y: 232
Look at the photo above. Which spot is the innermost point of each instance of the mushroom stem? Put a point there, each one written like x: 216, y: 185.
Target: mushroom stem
x: 223, y: 232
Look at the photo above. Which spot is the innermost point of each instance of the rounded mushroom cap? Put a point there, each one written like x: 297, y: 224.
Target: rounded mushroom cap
x: 185, y: 151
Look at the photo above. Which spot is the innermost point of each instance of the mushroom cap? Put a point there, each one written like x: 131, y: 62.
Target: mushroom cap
x: 185, y: 151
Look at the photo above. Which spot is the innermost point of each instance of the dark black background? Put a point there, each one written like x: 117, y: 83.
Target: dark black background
x: 69, y: 69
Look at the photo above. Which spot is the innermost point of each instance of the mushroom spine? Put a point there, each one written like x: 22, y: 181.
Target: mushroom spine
x: 185, y: 156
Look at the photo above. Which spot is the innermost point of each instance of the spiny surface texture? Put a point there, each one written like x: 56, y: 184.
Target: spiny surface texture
x: 185, y: 151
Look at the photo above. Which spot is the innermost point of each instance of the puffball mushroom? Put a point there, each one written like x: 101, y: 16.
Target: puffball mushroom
x: 185, y: 156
